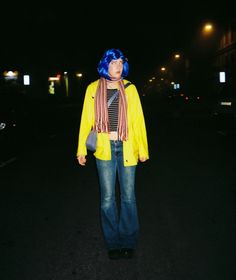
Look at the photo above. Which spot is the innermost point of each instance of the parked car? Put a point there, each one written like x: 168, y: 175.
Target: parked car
x: 225, y: 105
x: 224, y: 109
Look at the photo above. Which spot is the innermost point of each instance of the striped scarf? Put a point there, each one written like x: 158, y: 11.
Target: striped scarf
x: 101, y: 110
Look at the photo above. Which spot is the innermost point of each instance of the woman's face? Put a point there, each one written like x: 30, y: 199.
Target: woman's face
x: 115, y: 69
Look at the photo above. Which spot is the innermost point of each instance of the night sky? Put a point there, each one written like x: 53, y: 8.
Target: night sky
x: 76, y: 35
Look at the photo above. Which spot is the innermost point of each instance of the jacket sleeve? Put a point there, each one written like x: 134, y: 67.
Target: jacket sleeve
x: 86, y: 121
x: 139, y: 126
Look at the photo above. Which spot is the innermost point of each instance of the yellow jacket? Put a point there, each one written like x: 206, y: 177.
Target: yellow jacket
x: 136, y: 146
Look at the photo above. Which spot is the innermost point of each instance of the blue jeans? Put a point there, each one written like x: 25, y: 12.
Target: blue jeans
x: 120, y: 226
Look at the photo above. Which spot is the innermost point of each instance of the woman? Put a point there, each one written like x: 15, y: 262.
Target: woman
x: 121, y: 143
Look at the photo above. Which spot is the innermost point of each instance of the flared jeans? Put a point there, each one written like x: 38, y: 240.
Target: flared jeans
x: 120, y: 224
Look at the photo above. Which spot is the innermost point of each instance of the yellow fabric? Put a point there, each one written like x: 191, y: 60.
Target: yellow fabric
x: 136, y: 146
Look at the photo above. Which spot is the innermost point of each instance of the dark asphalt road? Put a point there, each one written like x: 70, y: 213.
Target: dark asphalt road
x: 186, y: 197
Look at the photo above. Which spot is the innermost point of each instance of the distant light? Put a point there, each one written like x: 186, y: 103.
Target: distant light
x: 207, y: 29
x: 26, y: 79
x: 10, y: 75
x: 222, y: 77
x: 51, y: 88
x: 226, y: 103
x: 2, y: 125
x: 176, y: 86
x: 54, y: 78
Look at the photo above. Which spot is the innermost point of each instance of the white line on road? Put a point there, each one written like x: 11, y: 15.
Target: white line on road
x: 7, y: 162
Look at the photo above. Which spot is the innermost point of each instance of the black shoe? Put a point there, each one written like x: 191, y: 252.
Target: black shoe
x: 127, y: 253
x: 114, y: 254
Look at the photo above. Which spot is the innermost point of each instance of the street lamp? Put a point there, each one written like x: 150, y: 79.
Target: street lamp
x: 177, y: 56
x: 66, y: 83
x: 207, y: 29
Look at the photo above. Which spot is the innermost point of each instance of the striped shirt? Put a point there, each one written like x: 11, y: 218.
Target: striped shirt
x: 113, y: 110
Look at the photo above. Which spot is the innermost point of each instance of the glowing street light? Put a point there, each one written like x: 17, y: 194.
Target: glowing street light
x: 79, y: 75
x: 207, y: 28
x: 177, y: 56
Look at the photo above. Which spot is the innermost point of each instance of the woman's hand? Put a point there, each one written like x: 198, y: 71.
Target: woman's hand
x: 82, y: 160
x: 142, y: 159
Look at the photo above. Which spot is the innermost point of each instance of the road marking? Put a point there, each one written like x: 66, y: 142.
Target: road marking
x: 7, y: 162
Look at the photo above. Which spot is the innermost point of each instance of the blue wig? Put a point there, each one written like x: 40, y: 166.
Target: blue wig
x: 109, y: 55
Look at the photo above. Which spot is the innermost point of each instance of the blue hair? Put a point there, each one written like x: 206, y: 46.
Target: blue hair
x: 109, y: 55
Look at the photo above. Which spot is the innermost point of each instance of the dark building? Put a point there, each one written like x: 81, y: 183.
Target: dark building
x: 225, y: 59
